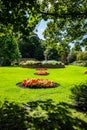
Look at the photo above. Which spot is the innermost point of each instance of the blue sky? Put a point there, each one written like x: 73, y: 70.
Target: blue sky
x: 41, y: 27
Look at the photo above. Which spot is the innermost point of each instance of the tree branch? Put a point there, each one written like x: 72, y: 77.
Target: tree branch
x: 73, y: 14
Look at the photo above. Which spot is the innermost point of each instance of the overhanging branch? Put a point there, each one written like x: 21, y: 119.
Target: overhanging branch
x: 72, y: 14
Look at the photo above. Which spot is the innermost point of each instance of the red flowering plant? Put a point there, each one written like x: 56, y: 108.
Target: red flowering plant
x: 41, y: 69
x: 41, y: 73
x: 38, y: 83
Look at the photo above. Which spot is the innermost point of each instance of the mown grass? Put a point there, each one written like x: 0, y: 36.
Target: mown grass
x: 66, y: 77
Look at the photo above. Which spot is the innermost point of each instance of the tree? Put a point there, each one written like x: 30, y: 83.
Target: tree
x: 77, y: 47
x: 68, y: 19
x: 31, y: 47
x: 63, y: 51
x: 72, y: 56
x: 21, y: 15
x: 82, y: 56
x: 51, y: 53
x: 8, y: 50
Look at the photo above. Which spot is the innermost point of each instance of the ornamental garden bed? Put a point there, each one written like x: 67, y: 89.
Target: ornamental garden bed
x: 42, y: 64
x: 37, y: 83
x: 41, y: 73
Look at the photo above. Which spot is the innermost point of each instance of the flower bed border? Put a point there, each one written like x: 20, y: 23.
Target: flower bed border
x: 20, y: 84
x: 43, y: 66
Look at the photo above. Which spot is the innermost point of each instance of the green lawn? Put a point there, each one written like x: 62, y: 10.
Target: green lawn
x: 66, y: 77
x: 49, y: 99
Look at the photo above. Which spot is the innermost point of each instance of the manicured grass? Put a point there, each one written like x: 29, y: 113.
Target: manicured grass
x: 66, y: 77
x: 44, y: 104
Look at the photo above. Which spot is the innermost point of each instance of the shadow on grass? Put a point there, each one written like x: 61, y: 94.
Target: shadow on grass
x: 39, y: 115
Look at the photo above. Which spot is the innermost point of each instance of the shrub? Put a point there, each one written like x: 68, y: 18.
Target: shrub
x: 79, y: 96
x: 52, y: 62
x: 9, y: 50
x: 82, y: 56
x: 30, y: 63
x: 80, y: 63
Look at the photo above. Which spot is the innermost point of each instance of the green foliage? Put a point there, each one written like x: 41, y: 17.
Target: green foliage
x: 78, y: 58
x: 51, y: 53
x: 68, y: 21
x: 80, y: 96
x: 80, y: 63
x: 82, y: 56
x: 22, y: 15
x: 31, y: 47
x: 48, y: 64
x: 77, y: 47
x: 8, y: 50
x: 72, y: 56
x: 52, y: 62
x: 30, y: 63
x: 39, y: 115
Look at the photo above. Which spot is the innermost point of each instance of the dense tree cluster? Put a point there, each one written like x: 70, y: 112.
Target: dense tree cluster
x: 67, y: 25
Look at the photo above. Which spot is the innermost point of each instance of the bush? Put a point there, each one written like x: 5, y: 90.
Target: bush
x: 30, y: 63
x: 80, y: 63
x: 79, y: 96
x: 82, y: 56
x: 9, y: 50
x: 52, y: 62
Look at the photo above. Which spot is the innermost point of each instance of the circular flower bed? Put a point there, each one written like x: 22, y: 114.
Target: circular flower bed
x: 37, y: 83
x: 41, y: 73
x: 41, y: 69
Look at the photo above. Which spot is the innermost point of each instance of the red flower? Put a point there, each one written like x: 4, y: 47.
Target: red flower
x: 38, y: 83
x: 41, y: 73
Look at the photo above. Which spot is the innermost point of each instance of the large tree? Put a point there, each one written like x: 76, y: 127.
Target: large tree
x: 68, y: 20
x: 9, y: 50
x: 23, y: 15
x: 31, y: 47
x: 69, y: 16
x: 20, y: 15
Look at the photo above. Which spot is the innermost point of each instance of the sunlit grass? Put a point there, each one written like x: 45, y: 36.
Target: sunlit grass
x: 66, y: 77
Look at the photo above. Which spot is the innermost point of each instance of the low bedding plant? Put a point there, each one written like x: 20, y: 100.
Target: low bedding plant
x: 43, y: 64
x: 41, y: 71
x: 38, y: 83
